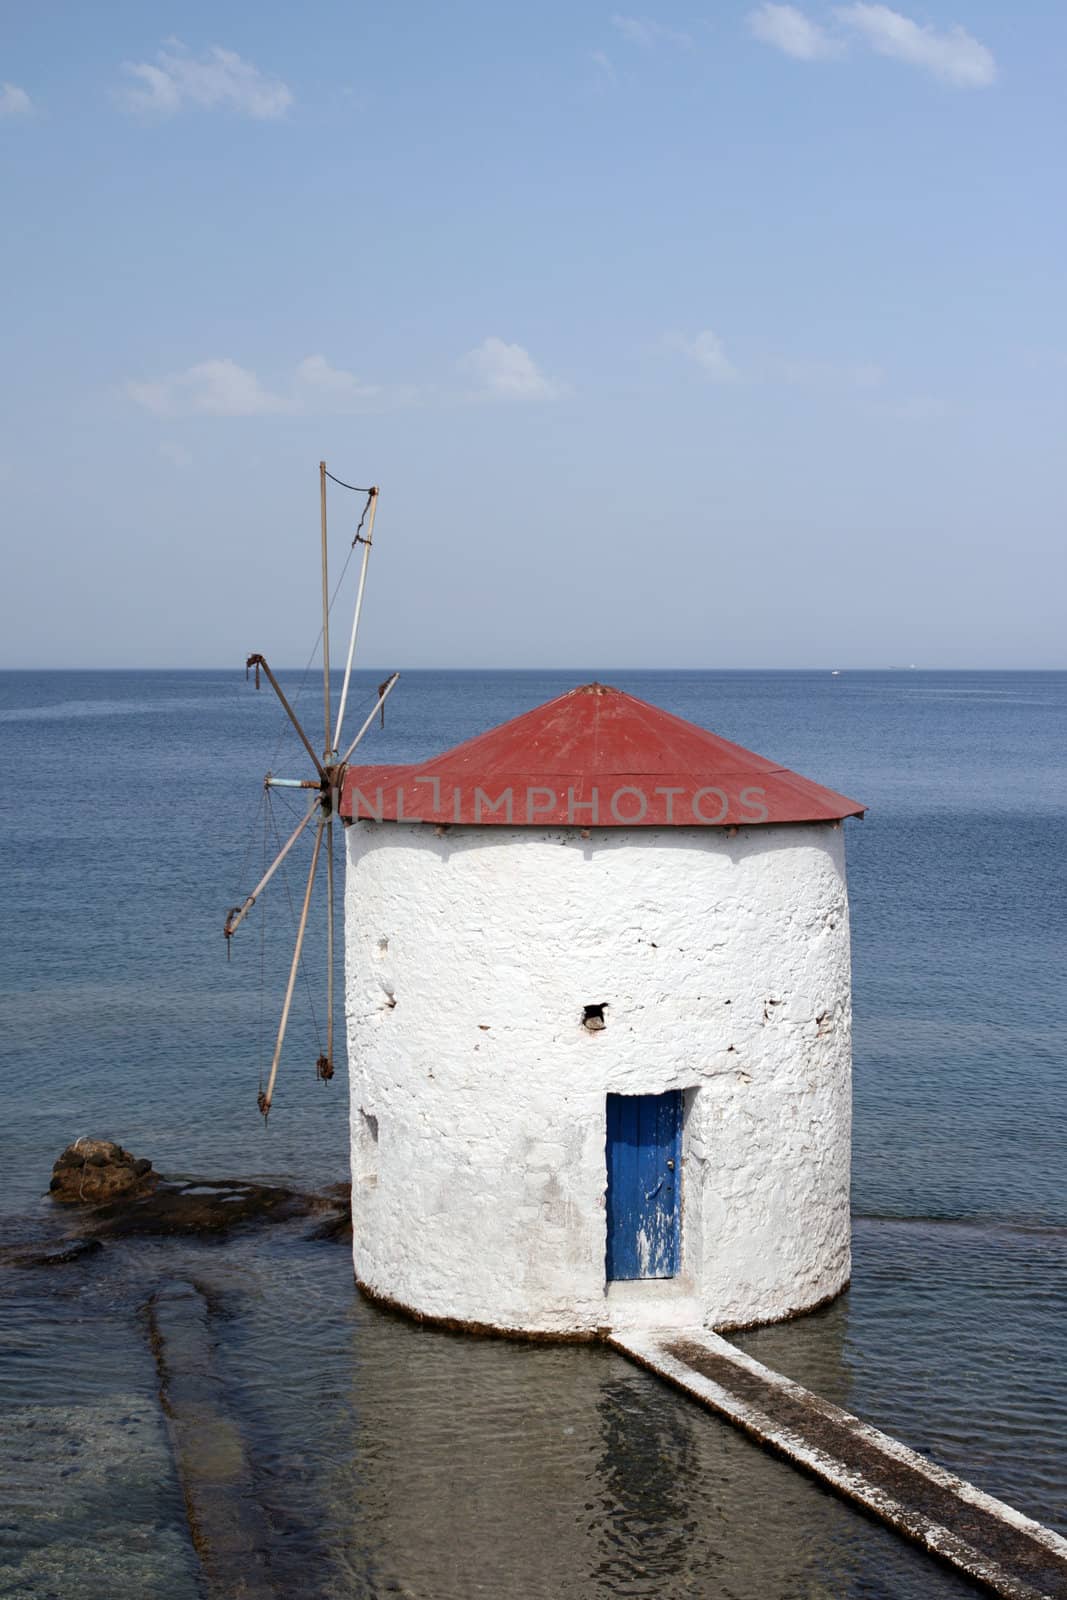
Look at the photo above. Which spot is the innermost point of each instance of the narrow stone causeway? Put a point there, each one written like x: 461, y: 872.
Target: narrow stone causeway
x: 1009, y: 1553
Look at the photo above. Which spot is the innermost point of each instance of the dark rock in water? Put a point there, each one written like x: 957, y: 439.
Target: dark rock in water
x: 92, y: 1171
x: 59, y: 1254
x: 198, y: 1206
x: 123, y: 1196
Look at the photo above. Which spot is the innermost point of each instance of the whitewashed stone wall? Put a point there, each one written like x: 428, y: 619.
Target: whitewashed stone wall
x: 478, y: 1098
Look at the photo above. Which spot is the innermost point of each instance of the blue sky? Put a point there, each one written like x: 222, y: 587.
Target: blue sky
x: 719, y: 337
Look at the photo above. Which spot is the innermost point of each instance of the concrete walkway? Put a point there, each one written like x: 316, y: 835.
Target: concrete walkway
x: 991, y: 1542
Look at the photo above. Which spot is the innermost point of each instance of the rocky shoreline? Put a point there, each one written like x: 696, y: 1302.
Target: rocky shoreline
x: 111, y: 1194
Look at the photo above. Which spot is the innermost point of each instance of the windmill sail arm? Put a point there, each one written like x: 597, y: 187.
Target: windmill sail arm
x: 238, y: 913
x: 366, y: 542
x: 383, y: 695
x: 259, y: 662
x: 267, y: 1095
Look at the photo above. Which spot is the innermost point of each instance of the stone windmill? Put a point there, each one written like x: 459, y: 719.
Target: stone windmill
x: 599, y: 1025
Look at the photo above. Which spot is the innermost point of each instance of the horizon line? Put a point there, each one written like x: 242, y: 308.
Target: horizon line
x: 581, y: 668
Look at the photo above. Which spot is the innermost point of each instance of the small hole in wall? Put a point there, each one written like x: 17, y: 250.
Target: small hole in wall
x: 370, y: 1123
x: 593, y: 1017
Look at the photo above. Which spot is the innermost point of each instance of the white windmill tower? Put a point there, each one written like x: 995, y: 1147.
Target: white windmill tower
x: 324, y: 787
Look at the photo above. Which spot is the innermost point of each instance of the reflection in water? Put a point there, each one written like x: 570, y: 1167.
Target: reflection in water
x: 442, y: 1467
x: 397, y: 1460
x: 645, y: 1467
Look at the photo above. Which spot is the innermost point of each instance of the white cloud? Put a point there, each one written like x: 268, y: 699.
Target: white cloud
x: 954, y: 55
x: 706, y: 350
x: 218, y: 78
x: 646, y: 33
x: 14, y: 102
x: 320, y: 388
x: 951, y: 54
x: 220, y: 387
x: 789, y: 30
x: 507, y: 370
x: 316, y: 378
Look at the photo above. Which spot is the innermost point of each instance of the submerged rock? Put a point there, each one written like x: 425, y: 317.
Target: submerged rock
x: 122, y: 1196
x: 60, y: 1254
x: 199, y: 1206
x: 230, y: 1531
x: 91, y: 1171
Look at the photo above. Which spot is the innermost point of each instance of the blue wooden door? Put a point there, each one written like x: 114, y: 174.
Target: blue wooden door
x: 644, y: 1184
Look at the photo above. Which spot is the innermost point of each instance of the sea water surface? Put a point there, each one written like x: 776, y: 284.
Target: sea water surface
x: 392, y: 1459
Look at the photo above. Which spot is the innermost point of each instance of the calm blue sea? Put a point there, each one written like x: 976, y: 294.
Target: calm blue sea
x: 399, y: 1460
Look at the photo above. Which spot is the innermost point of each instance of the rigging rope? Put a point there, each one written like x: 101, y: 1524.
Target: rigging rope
x: 359, y: 525
x: 353, y: 486
x: 253, y: 835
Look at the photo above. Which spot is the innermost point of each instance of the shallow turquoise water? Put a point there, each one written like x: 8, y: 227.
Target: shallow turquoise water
x: 398, y: 1460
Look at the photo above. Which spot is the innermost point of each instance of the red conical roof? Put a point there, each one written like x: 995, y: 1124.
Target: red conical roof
x: 594, y: 757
